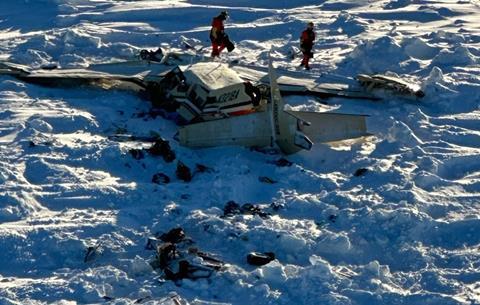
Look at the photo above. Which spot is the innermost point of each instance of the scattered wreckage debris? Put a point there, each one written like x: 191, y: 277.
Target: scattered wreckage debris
x: 332, y: 218
x: 156, y: 55
x: 175, y: 236
x: 137, y: 154
x: 282, y: 162
x: 390, y: 83
x: 162, y: 148
x: 172, y: 299
x: 232, y: 208
x: 160, y: 178
x: 200, y: 168
x: 267, y: 180
x: 178, y: 260
x: 260, y: 259
x: 92, y: 252
x: 360, y: 172
x: 32, y: 143
x: 183, y: 172
x: 120, y: 137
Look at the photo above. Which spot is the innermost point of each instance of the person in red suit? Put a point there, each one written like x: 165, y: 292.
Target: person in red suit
x: 306, y: 44
x: 217, y: 34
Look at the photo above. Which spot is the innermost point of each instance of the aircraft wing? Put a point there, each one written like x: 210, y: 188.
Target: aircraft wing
x: 295, y: 83
x: 74, y: 77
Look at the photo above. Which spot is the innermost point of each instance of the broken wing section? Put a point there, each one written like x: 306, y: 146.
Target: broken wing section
x: 330, y: 127
x: 252, y: 130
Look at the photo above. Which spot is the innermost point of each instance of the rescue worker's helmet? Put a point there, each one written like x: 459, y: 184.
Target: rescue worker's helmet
x: 224, y: 15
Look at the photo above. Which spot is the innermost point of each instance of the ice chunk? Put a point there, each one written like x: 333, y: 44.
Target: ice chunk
x: 139, y: 266
x: 40, y: 125
x: 273, y: 272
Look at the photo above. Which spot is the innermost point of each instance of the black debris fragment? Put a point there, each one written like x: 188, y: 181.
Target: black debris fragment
x: 32, y: 143
x: 183, y: 172
x: 49, y: 66
x: 177, y: 261
x: 148, y: 55
x: 188, y: 270
x: 166, y: 252
x: 200, y: 168
x: 174, y: 236
x: 151, y: 243
x: 91, y: 253
x: 268, y: 180
x: 137, y: 154
x: 141, y: 300
x: 266, y: 151
x: 260, y: 259
x: 360, y: 172
x: 160, y: 178
x: 162, y: 148
x: 232, y: 208
x: 251, y: 209
x: 207, y: 259
x: 282, y: 162
x: 129, y: 138
x: 332, y: 218
x: 277, y: 206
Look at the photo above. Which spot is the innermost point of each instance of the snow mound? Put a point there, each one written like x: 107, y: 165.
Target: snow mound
x: 396, y: 4
x: 376, y: 56
x: 338, y: 244
x: 76, y: 39
x: 139, y: 266
x: 16, y: 206
x: 404, y: 231
x: 418, y: 48
x: 461, y: 56
x: 402, y: 133
x: 446, y: 36
x: 72, y: 61
x: 435, y: 81
x: 34, y: 58
x: 347, y: 24
x: 40, y: 125
x: 273, y: 273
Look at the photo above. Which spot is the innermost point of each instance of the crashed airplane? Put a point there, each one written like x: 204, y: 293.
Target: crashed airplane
x: 291, y: 131
x: 217, y: 104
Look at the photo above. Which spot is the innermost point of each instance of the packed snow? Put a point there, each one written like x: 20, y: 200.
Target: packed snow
x: 403, y: 231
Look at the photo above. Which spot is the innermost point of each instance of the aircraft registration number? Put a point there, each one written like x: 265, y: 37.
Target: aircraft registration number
x: 229, y: 96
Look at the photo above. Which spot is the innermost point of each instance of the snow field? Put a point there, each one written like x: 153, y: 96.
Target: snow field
x: 406, y: 232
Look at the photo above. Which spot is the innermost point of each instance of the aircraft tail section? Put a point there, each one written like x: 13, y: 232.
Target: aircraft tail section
x: 330, y: 127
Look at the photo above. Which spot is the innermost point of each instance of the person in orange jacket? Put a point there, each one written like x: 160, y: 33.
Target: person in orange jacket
x: 306, y: 45
x: 217, y: 34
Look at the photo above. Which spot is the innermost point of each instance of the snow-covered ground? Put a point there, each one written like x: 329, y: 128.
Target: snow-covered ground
x: 406, y: 232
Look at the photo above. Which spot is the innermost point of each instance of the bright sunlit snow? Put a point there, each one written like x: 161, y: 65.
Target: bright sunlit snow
x: 406, y: 231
